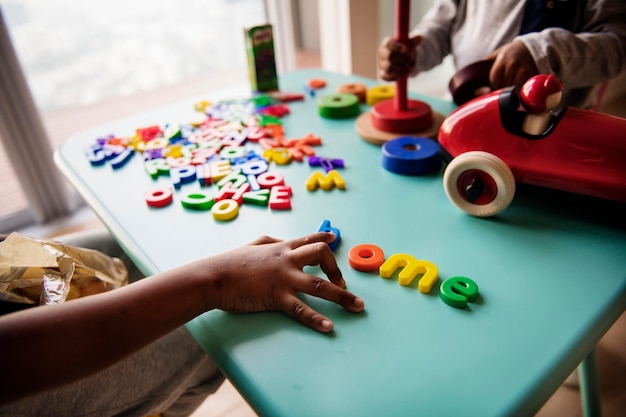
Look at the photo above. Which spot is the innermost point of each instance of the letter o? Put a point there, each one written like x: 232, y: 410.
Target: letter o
x: 225, y: 210
x: 160, y: 197
x: 366, y: 257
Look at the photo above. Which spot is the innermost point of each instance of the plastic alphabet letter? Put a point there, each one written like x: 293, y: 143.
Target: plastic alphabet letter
x: 255, y: 133
x: 201, y: 155
x: 235, y: 178
x: 270, y: 179
x: 197, y: 201
x: 280, y: 156
x: 326, y: 163
x: 411, y: 267
x: 258, y: 197
x: 156, y: 167
x: 95, y: 154
x: 303, y: 146
x: 203, y: 174
x: 279, y: 197
x: 229, y: 192
x: 148, y: 133
x: 458, y: 291
x: 366, y: 257
x: 159, y: 197
x: 159, y: 143
x: 277, y: 141
x: 275, y: 131
x: 326, y: 182
x: 255, y: 167
x: 225, y: 210
x: 172, y: 131
x: 326, y: 227
x: 254, y: 184
x: 174, y: 151
x: 234, y: 138
x: 232, y: 152
x: 249, y: 156
x: 120, y: 159
x: 152, y: 154
x: 219, y: 169
x: 182, y: 175
x: 177, y: 162
x: 111, y: 151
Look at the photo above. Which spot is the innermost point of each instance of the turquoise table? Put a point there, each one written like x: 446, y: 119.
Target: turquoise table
x: 551, y: 271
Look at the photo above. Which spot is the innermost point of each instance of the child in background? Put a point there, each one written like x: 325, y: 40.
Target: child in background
x: 582, y: 42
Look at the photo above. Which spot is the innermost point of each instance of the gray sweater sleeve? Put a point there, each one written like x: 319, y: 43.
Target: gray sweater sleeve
x: 436, y: 31
x: 594, y: 51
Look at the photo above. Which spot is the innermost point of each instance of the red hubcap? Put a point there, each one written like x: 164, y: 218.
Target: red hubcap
x: 474, y: 179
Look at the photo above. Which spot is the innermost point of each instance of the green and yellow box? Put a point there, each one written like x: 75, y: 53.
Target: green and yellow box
x: 261, y: 58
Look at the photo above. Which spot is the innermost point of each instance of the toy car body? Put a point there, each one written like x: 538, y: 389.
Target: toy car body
x: 580, y: 151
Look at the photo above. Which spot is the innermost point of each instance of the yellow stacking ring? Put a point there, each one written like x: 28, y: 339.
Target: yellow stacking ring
x: 379, y: 93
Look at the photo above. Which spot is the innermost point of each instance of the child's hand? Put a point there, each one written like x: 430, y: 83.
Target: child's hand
x: 513, y: 65
x: 267, y: 275
x: 396, y: 59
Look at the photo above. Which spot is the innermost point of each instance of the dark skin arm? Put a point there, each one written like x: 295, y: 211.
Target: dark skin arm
x: 84, y: 336
x: 513, y: 62
x: 513, y: 65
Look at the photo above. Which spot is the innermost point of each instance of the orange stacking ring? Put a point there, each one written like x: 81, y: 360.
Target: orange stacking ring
x: 358, y: 89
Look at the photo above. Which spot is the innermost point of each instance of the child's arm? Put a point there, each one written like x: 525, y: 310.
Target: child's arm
x: 429, y: 43
x: 593, y: 52
x: 513, y: 65
x: 396, y: 59
x: 46, y: 346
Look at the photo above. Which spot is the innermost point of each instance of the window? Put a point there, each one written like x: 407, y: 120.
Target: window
x: 90, y: 62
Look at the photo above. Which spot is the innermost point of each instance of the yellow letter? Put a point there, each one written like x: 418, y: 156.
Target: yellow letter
x: 411, y: 268
x: 326, y: 182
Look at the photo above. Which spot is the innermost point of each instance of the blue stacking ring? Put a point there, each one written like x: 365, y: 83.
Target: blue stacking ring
x: 411, y: 155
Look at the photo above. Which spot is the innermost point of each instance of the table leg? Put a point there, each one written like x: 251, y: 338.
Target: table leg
x: 589, y: 389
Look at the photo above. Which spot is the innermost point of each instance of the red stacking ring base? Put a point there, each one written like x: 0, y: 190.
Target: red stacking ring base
x: 418, y: 116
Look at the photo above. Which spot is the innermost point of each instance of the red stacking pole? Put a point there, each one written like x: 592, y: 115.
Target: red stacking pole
x: 403, y: 9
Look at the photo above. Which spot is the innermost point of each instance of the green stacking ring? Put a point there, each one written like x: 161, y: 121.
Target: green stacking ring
x: 338, y: 106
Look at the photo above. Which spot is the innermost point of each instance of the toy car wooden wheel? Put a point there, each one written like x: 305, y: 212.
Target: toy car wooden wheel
x: 479, y: 183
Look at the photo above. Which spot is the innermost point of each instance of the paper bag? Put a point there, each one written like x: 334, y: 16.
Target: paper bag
x: 36, y: 271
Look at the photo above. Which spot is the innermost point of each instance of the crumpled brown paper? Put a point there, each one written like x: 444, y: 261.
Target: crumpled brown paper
x: 24, y: 262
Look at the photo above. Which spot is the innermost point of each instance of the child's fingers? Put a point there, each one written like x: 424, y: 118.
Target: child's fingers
x: 263, y: 240
x: 319, y: 287
x: 319, y: 253
x: 311, y: 238
x: 297, y: 309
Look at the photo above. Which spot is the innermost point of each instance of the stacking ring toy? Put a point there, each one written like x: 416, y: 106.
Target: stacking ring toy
x: 398, y: 116
x: 357, y: 89
x: 338, y: 106
x: 379, y: 93
x: 415, y: 117
x: 408, y: 155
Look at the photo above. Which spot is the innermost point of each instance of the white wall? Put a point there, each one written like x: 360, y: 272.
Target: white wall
x: 308, y: 25
x: 386, y: 11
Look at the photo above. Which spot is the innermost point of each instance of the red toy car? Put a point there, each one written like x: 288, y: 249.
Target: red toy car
x: 579, y: 151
